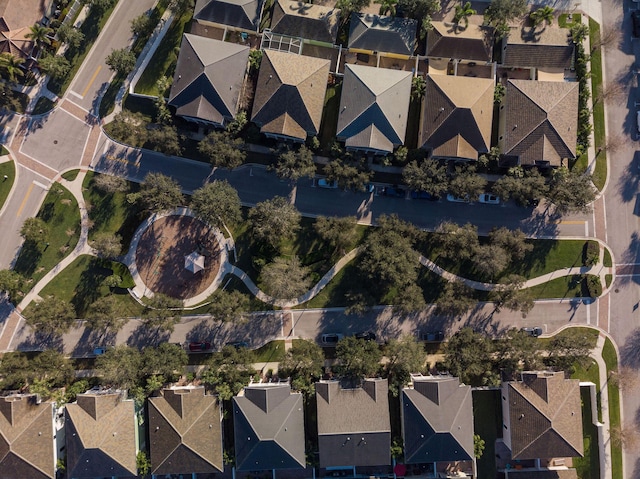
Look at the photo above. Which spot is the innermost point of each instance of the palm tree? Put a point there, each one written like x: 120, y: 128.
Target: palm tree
x: 542, y: 14
x: 418, y: 87
x: 39, y: 34
x: 387, y: 6
x: 463, y: 12
x: 10, y: 64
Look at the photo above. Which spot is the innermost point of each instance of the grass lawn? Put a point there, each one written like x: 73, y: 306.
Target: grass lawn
x: 7, y: 168
x: 487, y: 423
x: 3, y: 150
x: 607, y: 261
x: 588, y: 467
x: 611, y: 360
x: 111, y: 213
x: 329, y: 123
x: 564, y: 287
x: 270, y: 352
x: 71, y: 175
x: 81, y: 283
x: 413, y: 124
x: 600, y: 172
x: 91, y: 28
x: 163, y: 62
x: 61, y: 214
x: 590, y: 333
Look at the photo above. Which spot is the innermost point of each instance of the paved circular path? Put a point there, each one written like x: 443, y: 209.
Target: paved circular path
x: 161, y: 251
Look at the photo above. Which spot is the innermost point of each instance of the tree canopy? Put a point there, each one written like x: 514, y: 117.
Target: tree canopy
x: 303, y: 365
x: 121, y: 61
x: 337, y: 232
x: 223, y: 150
x: 160, y: 193
x: 274, y: 220
x: 228, y: 306
x: 105, y: 315
x: 295, y: 164
x: 285, y: 278
x: 405, y: 356
x: 229, y: 371
x: 34, y: 229
x: 162, y: 312
x: 357, y: 358
x: 430, y: 175
x: 468, y: 356
x: 50, y: 316
x: 217, y: 203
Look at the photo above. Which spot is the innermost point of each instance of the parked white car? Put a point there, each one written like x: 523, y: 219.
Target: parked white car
x: 489, y: 199
x: 324, y: 183
x: 455, y: 199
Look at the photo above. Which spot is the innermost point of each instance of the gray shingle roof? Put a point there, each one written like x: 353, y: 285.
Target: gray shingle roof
x: 311, y: 22
x: 26, y: 438
x: 374, y: 107
x: 457, y: 115
x: 544, y: 474
x: 100, y: 435
x: 290, y: 94
x: 541, y: 121
x: 185, y: 432
x: 243, y: 14
x: 269, y: 428
x: 472, y: 43
x: 353, y: 423
x: 437, y: 421
x: 549, y: 47
x: 208, y: 78
x: 545, y: 416
x: 382, y: 34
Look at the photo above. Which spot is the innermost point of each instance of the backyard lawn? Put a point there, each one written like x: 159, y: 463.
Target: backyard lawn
x: 588, y: 467
x: 487, y: 423
x: 61, y: 214
x: 329, y: 122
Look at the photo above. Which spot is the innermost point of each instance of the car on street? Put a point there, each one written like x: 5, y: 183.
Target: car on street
x: 456, y: 199
x: 393, y: 191
x: 331, y: 339
x: 430, y: 336
x: 238, y: 344
x: 324, y: 183
x: 366, y: 335
x: 423, y: 195
x: 489, y: 199
x: 199, y: 346
x: 635, y: 20
x: 99, y: 351
x: 534, y: 332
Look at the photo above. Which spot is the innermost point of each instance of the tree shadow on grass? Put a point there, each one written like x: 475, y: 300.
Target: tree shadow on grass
x: 88, y: 289
x: 28, y: 259
x: 143, y: 336
x: 38, y: 341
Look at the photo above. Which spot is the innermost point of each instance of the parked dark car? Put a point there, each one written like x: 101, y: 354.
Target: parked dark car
x: 366, y: 335
x: 535, y: 332
x: 635, y: 20
x: 430, y: 335
x: 393, y: 191
x: 199, y: 346
x: 423, y: 195
x: 238, y: 344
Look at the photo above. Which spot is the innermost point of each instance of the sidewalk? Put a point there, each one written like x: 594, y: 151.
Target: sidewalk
x: 605, y: 446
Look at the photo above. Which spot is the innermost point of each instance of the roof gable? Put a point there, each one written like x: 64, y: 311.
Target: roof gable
x: 243, y: 14
x: 306, y: 20
x: 383, y: 34
x: 290, y: 94
x: 185, y: 431
x: 541, y: 120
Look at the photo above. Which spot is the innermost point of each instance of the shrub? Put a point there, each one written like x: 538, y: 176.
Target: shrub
x: 590, y: 253
x: 593, y: 286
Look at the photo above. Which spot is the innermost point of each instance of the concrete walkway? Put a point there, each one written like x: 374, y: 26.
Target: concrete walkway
x: 605, y: 444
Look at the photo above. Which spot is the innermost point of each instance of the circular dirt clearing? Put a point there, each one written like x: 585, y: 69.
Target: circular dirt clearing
x: 161, y: 252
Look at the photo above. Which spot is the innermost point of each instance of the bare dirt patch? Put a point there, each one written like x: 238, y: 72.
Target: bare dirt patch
x: 161, y: 253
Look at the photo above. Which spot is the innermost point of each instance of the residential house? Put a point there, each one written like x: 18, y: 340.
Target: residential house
x: 446, y: 41
x: 16, y: 18
x: 538, y: 122
x: 547, y: 50
x: 290, y: 95
x: 208, y: 80
x: 542, y: 416
x: 101, y: 435
x: 27, y: 438
x: 437, y: 421
x: 354, y: 428
x: 317, y: 23
x: 374, y: 107
x: 375, y: 33
x: 457, y: 116
x: 269, y: 428
x: 235, y: 15
x: 185, y: 432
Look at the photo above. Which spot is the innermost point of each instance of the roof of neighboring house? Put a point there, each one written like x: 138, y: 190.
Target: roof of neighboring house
x: 290, y: 94
x: 548, y: 46
x: 374, y: 107
x: 354, y: 428
x: 26, y: 438
x: 457, y: 115
x: 306, y: 20
x: 545, y: 414
x: 447, y: 41
x: 101, y: 436
x: 544, y: 474
x: 541, y: 121
x: 16, y: 16
x: 437, y: 420
x: 269, y: 428
x: 208, y: 78
x: 243, y: 14
x: 383, y: 34
x: 185, y: 432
